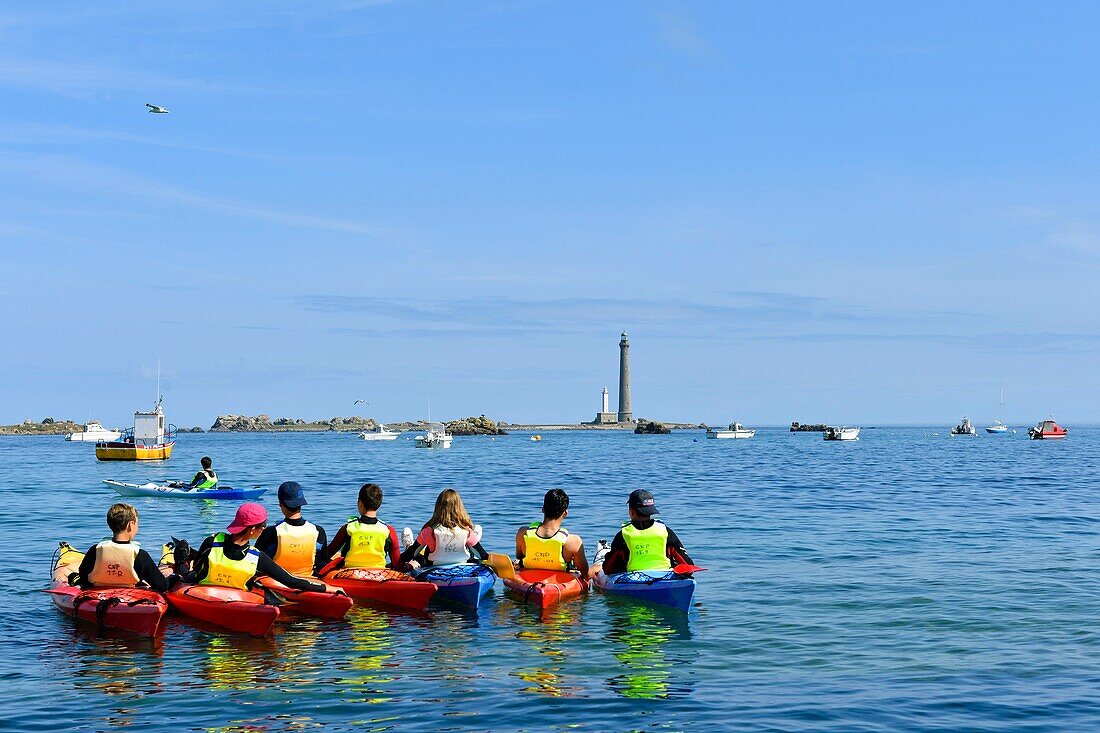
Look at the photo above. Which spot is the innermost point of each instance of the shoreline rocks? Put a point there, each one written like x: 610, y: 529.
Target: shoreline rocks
x: 799, y: 428
x: 474, y: 426
x: 649, y: 427
x: 48, y: 426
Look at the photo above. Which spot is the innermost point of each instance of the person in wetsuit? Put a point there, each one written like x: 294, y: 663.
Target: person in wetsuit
x: 205, y: 478
x: 366, y: 541
x: 226, y: 558
x: 644, y: 543
x: 547, y: 545
x: 293, y: 543
x: 119, y: 562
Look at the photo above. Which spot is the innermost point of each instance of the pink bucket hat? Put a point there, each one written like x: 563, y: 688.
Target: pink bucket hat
x: 248, y: 515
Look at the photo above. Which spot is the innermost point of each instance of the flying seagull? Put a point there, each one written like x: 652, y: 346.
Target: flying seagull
x: 360, y: 401
x: 156, y: 110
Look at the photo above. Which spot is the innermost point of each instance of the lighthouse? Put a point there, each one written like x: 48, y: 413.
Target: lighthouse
x: 625, y: 412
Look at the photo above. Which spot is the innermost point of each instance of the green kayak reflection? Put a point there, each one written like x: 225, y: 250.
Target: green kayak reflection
x: 369, y: 667
x: 549, y: 633
x: 647, y: 646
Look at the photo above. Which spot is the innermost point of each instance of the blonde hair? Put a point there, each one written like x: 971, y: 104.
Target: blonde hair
x: 120, y: 515
x: 449, y: 512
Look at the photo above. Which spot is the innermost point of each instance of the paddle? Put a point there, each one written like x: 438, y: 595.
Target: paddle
x: 684, y: 568
x: 502, y: 564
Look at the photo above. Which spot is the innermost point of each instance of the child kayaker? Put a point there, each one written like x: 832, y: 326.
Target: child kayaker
x: 643, y: 543
x: 448, y: 538
x: 226, y: 558
x: 120, y: 562
x: 205, y: 478
x: 547, y: 545
x: 293, y: 543
x: 366, y: 541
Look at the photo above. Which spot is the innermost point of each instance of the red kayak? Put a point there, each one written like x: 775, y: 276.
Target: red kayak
x: 136, y: 610
x: 544, y: 588
x: 231, y: 608
x: 382, y: 585
x: 305, y: 602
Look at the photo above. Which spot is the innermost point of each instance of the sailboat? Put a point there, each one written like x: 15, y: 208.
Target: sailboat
x: 998, y: 425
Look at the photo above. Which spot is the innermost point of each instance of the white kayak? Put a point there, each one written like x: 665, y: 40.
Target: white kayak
x: 171, y: 492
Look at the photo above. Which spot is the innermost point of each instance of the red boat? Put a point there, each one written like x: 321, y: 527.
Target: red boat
x: 1047, y: 430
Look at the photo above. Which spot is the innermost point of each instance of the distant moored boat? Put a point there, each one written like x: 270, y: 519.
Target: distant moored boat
x: 841, y: 433
x: 1047, y: 430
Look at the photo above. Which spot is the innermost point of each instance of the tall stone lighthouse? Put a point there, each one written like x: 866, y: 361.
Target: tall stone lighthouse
x: 625, y: 413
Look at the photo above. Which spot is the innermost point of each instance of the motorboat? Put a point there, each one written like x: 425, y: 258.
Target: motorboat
x: 151, y: 439
x: 964, y: 428
x: 1047, y: 430
x: 94, y: 432
x: 841, y: 433
x: 436, y: 437
x: 379, y: 433
x: 998, y: 427
x: 735, y: 430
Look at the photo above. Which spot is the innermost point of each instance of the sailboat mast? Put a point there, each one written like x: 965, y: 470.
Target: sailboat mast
x: 1002, y: 413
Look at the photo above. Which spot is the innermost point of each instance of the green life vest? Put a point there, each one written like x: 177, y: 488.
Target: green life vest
x: 647, y: 547
x: 226, y: 572
x: 207, y: 482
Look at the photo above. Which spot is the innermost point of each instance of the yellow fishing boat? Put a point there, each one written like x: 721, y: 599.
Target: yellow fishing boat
x: 149, y: 440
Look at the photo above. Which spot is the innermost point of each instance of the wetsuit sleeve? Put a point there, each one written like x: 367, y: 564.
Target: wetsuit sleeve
x: 481, y: 553
x: 618, y: 557
x: 200, y: 564
x: 410, y: 552
x: 85, y: 569
x: 393, y: 550
x: 266, y: 566
x: 321, y: 558
x: 338, y: 545
x: 268, y: 543
x: 148, y: 571
x: 199, y: 478
x: 675, y: 549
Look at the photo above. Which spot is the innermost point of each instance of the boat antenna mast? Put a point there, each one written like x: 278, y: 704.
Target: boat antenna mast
x: 160, y: 397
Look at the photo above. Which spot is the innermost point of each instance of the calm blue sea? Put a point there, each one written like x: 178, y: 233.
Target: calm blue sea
x: 903, y: 582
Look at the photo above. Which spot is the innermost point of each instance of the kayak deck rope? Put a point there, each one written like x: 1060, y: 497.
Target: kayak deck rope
x: 637, y: 577
x: 104, y: 605
x: 454, y: 572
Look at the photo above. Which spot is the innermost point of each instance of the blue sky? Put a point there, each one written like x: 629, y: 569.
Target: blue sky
x: 853, y: 212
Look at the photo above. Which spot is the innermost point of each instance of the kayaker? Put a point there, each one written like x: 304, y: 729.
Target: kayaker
x: 119, y: 562
x: 643, y: 543
x: 226, y: 558
x: 293, y: 543
x: 547, y: 545
x: 206, y: 478
x: 366, y: 541
x: 450, y: 537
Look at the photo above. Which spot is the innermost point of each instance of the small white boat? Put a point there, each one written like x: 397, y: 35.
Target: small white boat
x: 965, y: 428
x: 379, y: 433
x: 93, y: 432
x: 998, y: 425
x: 841, y: 433
x: 436, y: 437
x: 735, y: 431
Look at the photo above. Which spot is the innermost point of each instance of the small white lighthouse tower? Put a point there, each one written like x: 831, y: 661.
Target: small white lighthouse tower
x: 606, y: 404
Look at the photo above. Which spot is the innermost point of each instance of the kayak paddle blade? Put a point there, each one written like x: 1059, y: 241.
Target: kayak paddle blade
x: 502, y: 564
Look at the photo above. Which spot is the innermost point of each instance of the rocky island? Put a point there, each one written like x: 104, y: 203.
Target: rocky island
x: 799, y: 428
x: 480, y: 425
x: 48, y: 426
x: 649, y: 427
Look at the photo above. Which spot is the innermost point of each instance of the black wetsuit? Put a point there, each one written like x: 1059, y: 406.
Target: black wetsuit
x: 264, y: 566
x: 147, y: 570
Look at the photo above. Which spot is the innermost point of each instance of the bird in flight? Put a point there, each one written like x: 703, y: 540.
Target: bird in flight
x: 357, y: 402
x: 156, y: 110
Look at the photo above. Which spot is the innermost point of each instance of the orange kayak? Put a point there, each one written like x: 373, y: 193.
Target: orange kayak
x: 545, y: 588
x: 306, y: 602
x: 232, y: 608
x: 383, y: 586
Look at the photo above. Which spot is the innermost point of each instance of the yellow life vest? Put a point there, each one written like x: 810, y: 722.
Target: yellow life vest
x: 296, y: 550
x: 647, y: 547
x: 208, y: 482
x: 542, y: 553
x: 114, y: 565
x: 228, y: 573
x: 366, y: 544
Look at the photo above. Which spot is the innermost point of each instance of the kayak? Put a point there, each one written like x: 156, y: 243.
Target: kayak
x: 231, y: 608
x: 169, y: 492
x: 304, y: 602
x: 136, y: 610
x: 382, y: 585
x: 465, y: 584
x: 544, y: 588
x: 660, y: 587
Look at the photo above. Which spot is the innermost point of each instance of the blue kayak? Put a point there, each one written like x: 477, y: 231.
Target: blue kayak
x: 170, y: 492
x: 464, y: 585
x: 660, y: 587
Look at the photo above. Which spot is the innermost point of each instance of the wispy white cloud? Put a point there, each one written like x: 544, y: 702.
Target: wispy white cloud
x: 52, y: 135
x: 679, y: 34
x: 79, y: 174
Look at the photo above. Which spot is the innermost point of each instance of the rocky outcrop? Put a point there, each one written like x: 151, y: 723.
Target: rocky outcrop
x: 241, y: 424
x: 195, y: 429
x: 799, y: 428
x: 49, y: 426
x: 474, y: 426
x: 648, y: 427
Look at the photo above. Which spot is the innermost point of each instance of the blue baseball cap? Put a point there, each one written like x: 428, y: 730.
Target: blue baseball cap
x: 291, y: 495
